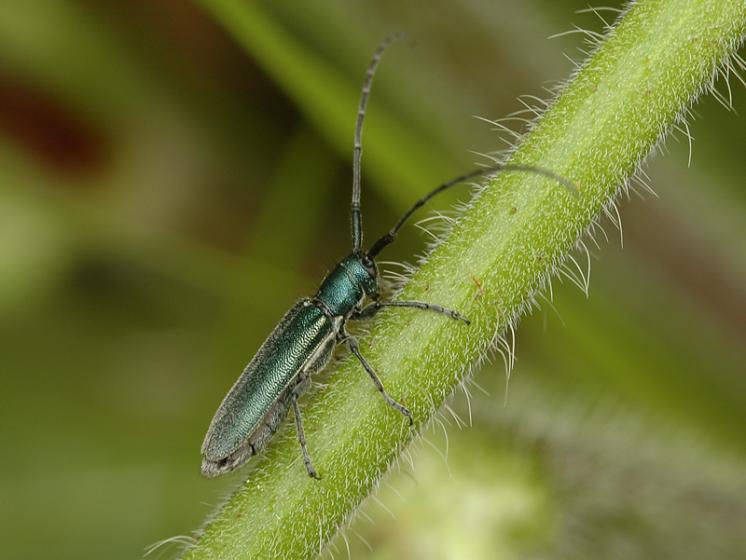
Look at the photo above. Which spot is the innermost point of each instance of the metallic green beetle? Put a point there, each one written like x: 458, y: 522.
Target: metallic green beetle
x: 303, y: 341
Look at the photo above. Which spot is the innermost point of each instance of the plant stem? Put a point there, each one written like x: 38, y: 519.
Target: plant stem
x: 651, y: 67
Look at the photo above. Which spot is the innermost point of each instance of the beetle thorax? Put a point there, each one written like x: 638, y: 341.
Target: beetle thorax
x: 346, y: 286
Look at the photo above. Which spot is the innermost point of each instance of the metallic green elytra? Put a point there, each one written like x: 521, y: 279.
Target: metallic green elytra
x: 303, y: 341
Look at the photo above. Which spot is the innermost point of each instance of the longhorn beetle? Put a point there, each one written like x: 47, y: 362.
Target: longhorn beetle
x: 303, y: 341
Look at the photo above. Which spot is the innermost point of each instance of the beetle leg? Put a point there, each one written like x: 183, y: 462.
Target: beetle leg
x: 352, y: 343
x: 302, y: 438
x: 366, y: 312
x: 370, y: 310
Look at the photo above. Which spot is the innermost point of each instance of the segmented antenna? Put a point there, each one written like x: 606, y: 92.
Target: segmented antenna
x: 357, y: 153
x: 384, y: 240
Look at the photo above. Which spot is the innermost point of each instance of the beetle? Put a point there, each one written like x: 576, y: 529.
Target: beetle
x: 304, y: 340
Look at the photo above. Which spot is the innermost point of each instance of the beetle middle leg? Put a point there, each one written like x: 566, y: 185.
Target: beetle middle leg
x: 369, y: 311
x: 302, y: 438
x: 352, y: 343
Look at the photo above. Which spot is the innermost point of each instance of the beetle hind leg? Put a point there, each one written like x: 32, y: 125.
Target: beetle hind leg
x: 302, y: 439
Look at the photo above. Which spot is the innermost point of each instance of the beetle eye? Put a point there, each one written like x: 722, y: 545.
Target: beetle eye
x: 370, y: 266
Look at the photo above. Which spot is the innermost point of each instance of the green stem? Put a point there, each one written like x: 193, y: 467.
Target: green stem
x: 652, y: 66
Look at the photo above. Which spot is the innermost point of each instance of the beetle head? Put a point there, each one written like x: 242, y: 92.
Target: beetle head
x: 368, y: 274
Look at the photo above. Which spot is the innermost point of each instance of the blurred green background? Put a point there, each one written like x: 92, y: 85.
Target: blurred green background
x: 173, y: 175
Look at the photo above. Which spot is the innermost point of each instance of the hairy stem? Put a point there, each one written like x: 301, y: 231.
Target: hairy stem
x: 659, y: 57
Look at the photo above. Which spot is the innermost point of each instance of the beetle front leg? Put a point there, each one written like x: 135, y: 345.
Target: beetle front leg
x: 352, y: 343
x: 302, y: 438
x: 369, y: 311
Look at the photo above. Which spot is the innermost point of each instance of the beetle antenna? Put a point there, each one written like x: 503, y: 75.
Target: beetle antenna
x: 386, y: 239
x: 357, y: 153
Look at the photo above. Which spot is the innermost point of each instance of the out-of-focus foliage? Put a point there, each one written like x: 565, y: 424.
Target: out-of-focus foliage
x: 166, y: 193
